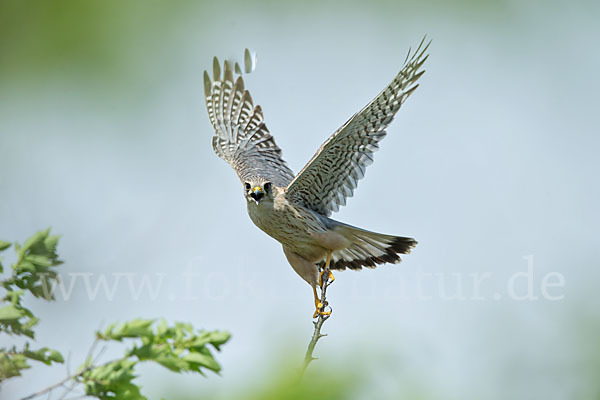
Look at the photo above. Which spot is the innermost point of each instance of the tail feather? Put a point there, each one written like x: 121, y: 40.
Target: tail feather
x: 368, y: 249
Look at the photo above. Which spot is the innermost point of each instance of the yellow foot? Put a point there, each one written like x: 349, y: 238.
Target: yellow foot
x: 331, y: 278
x: 319, y: 307
x: 320, y: 310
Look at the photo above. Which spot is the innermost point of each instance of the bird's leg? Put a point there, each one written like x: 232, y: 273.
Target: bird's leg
x: 318, y: 303
x: 326, y: 268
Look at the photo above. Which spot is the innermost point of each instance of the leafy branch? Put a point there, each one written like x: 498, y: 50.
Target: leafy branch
x: 33, y: 269
x: 178, y: 347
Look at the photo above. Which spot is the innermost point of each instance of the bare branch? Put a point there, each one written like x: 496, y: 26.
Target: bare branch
x: 321, y: 318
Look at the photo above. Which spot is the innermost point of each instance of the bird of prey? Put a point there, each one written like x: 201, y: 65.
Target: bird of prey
x: 295, y: 209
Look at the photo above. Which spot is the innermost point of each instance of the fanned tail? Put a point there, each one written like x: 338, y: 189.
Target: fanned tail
x: 369, y: 249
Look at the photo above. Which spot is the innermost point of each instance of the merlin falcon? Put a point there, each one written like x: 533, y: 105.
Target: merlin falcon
x: 295, y: 209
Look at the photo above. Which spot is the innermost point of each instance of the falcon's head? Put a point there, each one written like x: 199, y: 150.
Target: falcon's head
x: 257, y: 190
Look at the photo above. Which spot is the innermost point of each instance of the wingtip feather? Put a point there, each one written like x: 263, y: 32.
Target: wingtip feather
x: 249, y: 61
x: 216, y: 69
x: 207, y: 84
x: 227, y: 74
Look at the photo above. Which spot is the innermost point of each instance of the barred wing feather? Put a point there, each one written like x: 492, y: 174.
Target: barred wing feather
x: 241, y: 136
x: 334, y: 171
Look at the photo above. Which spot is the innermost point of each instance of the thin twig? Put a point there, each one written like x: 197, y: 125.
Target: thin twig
x: 308, y: 357
x: 89, y: 361
x: 55, y: 386
x: 68, y: 378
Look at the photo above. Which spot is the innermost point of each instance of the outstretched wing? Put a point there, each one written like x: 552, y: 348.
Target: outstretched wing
x: 241, y: 136
x: 334, y: 171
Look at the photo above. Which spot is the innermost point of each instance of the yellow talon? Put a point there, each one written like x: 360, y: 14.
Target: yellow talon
x: 331, y: 277
x: 319, y: 310
x: 319, y: 306
x: 324, y: 312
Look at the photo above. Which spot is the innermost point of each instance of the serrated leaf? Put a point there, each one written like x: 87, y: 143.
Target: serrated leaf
x: 112, y: 381
x: 204, y: 360
x: 107, y: 333
x: 45, y: 355
x: 51, y: 242
x: 173, y: 363
x: 143, y: 352
x: 40, y: 260
x: 11, y: 364
x: 38, y: 237
x: 131, y: 329
x: 55, y: 356
x: 162, y: 328
x: 40, y: 291
x: 25, y: 266
x: 218, y: 338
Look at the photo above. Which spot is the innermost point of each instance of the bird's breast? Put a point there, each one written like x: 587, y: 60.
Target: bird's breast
x: 291, y: 225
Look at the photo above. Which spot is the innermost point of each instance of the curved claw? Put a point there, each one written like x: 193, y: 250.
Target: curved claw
x: 319, y: 307
x: 331, y: 277
x: 320, y: 310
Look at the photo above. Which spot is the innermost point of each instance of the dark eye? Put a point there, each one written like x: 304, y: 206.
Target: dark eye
x: 247, y: 186
x: 267, y: 186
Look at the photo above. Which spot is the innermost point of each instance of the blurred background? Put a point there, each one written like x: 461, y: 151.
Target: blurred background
x: 492, y: 165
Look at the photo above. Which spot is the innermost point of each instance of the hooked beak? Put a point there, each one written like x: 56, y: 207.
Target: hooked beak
x: 257, y: 194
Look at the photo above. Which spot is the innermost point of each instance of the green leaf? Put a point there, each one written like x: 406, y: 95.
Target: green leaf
x: 131, y: 329
x: 25, y: 266
x: 30, y: 323
x: 11, y: 364
x: 204, y: 360
x: 34, y: 240
x: 51, y: 243
x: 10, y: 312
x: 4, y: 245
x: 112, y: 381
x: 175, y: 364
x: 218, y: 338
x: 40, y: 245
x: 40, y: 260
x: 45, y: 355
x: 162, y: 328
x: 137, y: 328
